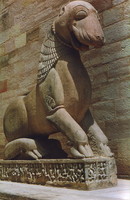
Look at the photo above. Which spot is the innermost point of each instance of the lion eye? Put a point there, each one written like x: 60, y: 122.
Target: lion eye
x: 81, y: 15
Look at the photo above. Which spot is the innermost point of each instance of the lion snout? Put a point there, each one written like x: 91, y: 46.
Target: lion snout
x: 97, y: 41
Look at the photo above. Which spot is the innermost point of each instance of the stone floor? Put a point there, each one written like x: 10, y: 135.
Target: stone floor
x: 20, y: 191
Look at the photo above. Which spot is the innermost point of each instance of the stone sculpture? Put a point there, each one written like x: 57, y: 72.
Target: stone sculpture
x: 61, y: 98
x: 88, y: 174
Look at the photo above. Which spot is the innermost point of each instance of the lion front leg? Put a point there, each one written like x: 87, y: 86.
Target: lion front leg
x: 62, y: 119
x: 97, y: 138
x: 57, y: 114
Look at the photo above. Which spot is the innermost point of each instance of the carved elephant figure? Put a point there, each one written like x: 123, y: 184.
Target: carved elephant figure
x: 61, y: 98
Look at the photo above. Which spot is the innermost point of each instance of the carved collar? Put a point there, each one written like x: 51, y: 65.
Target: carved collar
x: 52, y: 49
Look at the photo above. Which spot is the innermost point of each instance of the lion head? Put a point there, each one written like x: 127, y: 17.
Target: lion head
x: 78, y: 24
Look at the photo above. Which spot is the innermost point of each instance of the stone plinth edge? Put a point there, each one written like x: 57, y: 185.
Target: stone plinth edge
x: 88, y: 173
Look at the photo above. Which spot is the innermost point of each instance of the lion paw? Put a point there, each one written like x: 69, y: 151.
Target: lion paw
x: 33, y: 154
x: 83, y: 151
x: 23, y: 148
x: 106, y: 150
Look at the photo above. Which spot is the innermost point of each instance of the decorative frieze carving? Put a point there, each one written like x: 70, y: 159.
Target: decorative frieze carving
x: 60, y: 172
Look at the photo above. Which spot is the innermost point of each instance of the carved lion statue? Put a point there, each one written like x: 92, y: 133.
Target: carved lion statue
x: 61, y: 98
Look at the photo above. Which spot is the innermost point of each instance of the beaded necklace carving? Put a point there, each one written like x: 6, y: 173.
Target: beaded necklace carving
x: 51, y: 51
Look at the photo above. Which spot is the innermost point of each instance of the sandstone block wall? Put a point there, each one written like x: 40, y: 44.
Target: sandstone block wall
x: 23, y: 24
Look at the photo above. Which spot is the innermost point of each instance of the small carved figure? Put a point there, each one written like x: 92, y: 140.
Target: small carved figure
x: 61, y: 98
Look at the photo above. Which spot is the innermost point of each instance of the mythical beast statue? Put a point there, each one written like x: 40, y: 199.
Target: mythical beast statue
x: 61, y: 98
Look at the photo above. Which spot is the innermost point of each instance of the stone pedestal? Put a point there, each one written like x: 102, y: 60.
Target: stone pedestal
x: 88, y: 174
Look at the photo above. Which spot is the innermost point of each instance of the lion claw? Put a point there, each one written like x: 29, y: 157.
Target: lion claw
x: 82, y: 152
x: 34, y: 154
x: 86, y: 150
x: 76, y: 153
x: 106, y: 150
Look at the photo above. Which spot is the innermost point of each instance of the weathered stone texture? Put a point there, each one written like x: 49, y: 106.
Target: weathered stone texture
x: 3, y: 86
x: 88, y: 174
x: 115, y: 2
x: 113, y: 15
x: 101, y: 5
x: 20, y: 41
x: 115, y: 29
x: 4, y: 36
x: 23, y: 25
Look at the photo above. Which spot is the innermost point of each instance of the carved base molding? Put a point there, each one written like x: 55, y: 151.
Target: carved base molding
x: 88, y: 174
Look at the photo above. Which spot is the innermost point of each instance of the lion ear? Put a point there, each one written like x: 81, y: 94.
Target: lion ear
x: 62, y: 10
